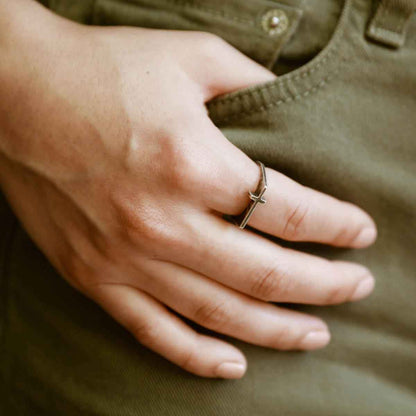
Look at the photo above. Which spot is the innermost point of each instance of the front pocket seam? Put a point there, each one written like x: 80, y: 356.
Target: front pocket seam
x: 249, y: 100
x: 266, y: 107
x: 291, y: 77
x: 276, y: 83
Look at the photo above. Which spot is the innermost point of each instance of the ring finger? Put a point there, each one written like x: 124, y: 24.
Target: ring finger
x: 249, y: 263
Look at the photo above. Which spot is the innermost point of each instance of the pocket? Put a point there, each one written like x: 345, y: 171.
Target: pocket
x: 213, y: 16
x: 301, y: 82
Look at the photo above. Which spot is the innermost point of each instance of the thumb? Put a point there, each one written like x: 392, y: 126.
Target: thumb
x: 220, y: 68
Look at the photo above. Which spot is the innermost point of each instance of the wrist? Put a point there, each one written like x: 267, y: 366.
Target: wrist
x: 31, y: 40
x: 21, y: 20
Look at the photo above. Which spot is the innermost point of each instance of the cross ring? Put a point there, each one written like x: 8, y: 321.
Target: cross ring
x: 255, y: 197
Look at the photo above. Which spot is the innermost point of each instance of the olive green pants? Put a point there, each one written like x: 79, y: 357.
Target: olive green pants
x: 341, y: 118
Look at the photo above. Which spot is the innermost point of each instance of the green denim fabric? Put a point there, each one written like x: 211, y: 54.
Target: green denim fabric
x: 343, y: 123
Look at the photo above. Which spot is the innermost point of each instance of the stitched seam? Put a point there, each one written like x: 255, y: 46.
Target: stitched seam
x: 276, y: 83
x: 317, y: 63
x: 266, y: 107
x: 332, y: 51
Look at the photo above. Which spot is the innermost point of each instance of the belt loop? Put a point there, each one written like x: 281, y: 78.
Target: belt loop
x: 389, y: 24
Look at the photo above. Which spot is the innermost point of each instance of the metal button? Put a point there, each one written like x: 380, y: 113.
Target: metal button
x: 275, y: 22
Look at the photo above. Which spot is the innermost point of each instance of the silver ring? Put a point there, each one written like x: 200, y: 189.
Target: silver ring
x: 255, y: 197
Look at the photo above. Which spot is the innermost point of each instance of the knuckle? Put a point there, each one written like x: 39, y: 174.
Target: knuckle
x: 127, y: 214
x: 337, y: 291
x: 283, y: 338
x: 182, y: 172
x: 295, y: 221
x: 351, y: 227
x: 270, y: 283
x: 336, y: 294
x: 188, y: 360
x: 141, y: 223
x: 345, y: 235
x: 143, y: 331
x: 352, y: 235
x: 155, y: 231
x: 213, y: 315
x: 181, y: 169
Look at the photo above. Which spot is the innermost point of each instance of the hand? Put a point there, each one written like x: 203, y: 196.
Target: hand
x: 113, y: 166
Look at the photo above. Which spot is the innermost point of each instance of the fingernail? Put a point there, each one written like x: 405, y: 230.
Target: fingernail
x: 315, y: 339
x: 230, y: 370
x: 366, y: 237
x: 363, y: 289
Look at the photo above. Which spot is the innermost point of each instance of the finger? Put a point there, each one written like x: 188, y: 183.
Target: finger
x: 163, y: 332
x: 251, y: 264
x: 225, y: 68
x: 297, y: 213
x: 227, y: 311
x: 292, y: 212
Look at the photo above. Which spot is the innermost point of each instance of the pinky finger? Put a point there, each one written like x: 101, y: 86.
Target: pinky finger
x: 154, y: 326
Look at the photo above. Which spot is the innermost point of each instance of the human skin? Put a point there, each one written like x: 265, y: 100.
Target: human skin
x: 111, y: 163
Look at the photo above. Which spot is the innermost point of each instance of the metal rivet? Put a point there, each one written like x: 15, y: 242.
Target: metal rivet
x: 275, y: 22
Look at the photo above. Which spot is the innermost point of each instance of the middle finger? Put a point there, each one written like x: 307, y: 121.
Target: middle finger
x: 254, y: 265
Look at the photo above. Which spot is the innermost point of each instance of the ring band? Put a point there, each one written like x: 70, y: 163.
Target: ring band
x: 255, y: 197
